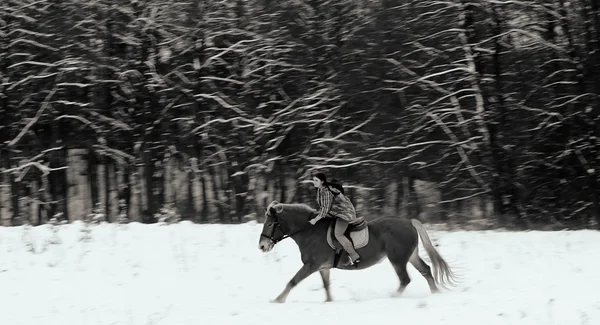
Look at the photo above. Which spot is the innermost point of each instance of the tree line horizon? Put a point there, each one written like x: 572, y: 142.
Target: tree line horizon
x: 214, y: 108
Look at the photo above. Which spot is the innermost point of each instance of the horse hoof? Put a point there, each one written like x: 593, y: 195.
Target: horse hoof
x: 396, y: 294
x: 277, y: 301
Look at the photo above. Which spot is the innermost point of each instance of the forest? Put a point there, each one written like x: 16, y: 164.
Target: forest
x: 207, y: 110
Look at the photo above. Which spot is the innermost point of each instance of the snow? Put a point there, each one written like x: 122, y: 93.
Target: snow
x: 215, y: 274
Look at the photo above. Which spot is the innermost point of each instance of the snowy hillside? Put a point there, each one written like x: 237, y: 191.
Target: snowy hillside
x: 214, y: 274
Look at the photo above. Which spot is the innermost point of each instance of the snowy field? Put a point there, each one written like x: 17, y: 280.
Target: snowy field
x: 214, y: 274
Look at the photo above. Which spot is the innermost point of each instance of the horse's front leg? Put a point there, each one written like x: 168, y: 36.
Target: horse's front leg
x: 303, y: 273
x: 326, y: 283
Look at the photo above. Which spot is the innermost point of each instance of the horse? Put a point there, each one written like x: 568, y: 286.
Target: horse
x: 391, y: 237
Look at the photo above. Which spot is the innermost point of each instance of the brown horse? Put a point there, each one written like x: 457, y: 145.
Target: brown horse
x: 394, y: 238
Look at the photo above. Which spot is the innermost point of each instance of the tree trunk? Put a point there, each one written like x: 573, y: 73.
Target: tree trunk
x: 159, y: 185
x: 352, y: 195
x: 151, y: 204
x: 138, y: 209
x: 504, y: 164
x: 414, y: 205
x: 126, y: 189
x: 240, y: 197
x: 107, y: 182
x: 55, y: 177
x: 593, y: 113
x: 282, y: 187
x: 399, y: 194
x: 46, y: 198
x: 64, y: 181
x: 216, y: 196
x: 36, y: 207
x: 204, y: 211
x: 93, y: 178
x: 445, y: 205
x: 15, y: 187
x: 227, y: 188
x: 190, y: 208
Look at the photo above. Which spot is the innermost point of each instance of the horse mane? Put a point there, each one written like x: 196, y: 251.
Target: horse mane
x: 296, y: 211
x: 297, y: 207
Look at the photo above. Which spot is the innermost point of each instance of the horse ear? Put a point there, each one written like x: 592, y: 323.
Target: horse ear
x: 278, y: 208
x: 270, y: 207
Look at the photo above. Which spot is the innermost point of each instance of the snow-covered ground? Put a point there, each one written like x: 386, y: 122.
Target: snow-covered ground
x: 215, y: 274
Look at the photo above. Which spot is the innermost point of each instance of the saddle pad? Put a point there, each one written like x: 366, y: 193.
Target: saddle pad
x: 360, y: 238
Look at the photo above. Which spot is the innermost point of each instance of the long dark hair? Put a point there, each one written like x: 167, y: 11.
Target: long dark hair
x: 334, y: 183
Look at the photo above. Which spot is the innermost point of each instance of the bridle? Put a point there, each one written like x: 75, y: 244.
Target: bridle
x: 277, y: 224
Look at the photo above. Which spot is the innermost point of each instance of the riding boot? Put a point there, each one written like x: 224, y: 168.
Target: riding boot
x: 354, y: 257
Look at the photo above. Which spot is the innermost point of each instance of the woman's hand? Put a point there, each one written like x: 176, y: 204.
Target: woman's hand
x: 313, y: 221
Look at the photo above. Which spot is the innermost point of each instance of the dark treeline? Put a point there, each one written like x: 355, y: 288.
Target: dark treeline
x: 495, y: 101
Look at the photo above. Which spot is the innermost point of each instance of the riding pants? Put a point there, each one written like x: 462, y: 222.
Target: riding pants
x: 340, y: 227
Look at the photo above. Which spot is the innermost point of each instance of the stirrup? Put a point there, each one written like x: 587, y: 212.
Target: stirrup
x: 355, y: 263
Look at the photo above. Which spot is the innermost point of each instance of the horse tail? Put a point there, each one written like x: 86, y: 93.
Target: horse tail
x: 442, y: 273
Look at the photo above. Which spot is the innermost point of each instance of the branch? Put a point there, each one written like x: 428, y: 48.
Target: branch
x: 43, y: 168
x: 336, y: 138
x: 39, y: 113
x: 116, y: 154
x: 80, y: 119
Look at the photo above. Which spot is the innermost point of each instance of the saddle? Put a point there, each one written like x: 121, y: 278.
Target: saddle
x: 357, y: 232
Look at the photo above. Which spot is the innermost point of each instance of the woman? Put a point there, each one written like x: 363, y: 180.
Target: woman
x: 333, y: 202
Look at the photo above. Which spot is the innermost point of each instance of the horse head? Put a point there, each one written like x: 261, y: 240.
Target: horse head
x: 282, y: 221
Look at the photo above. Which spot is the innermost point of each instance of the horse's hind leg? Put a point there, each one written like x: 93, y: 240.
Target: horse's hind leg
x: 424, y: 269
x: 325, y: 276
x: 402, y: 275
x: 399, y: 259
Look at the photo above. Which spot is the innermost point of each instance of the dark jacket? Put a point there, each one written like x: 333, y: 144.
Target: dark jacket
x: 335, y: 204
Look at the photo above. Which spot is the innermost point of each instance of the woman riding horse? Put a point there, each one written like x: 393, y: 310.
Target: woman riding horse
x: 334, y: 203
